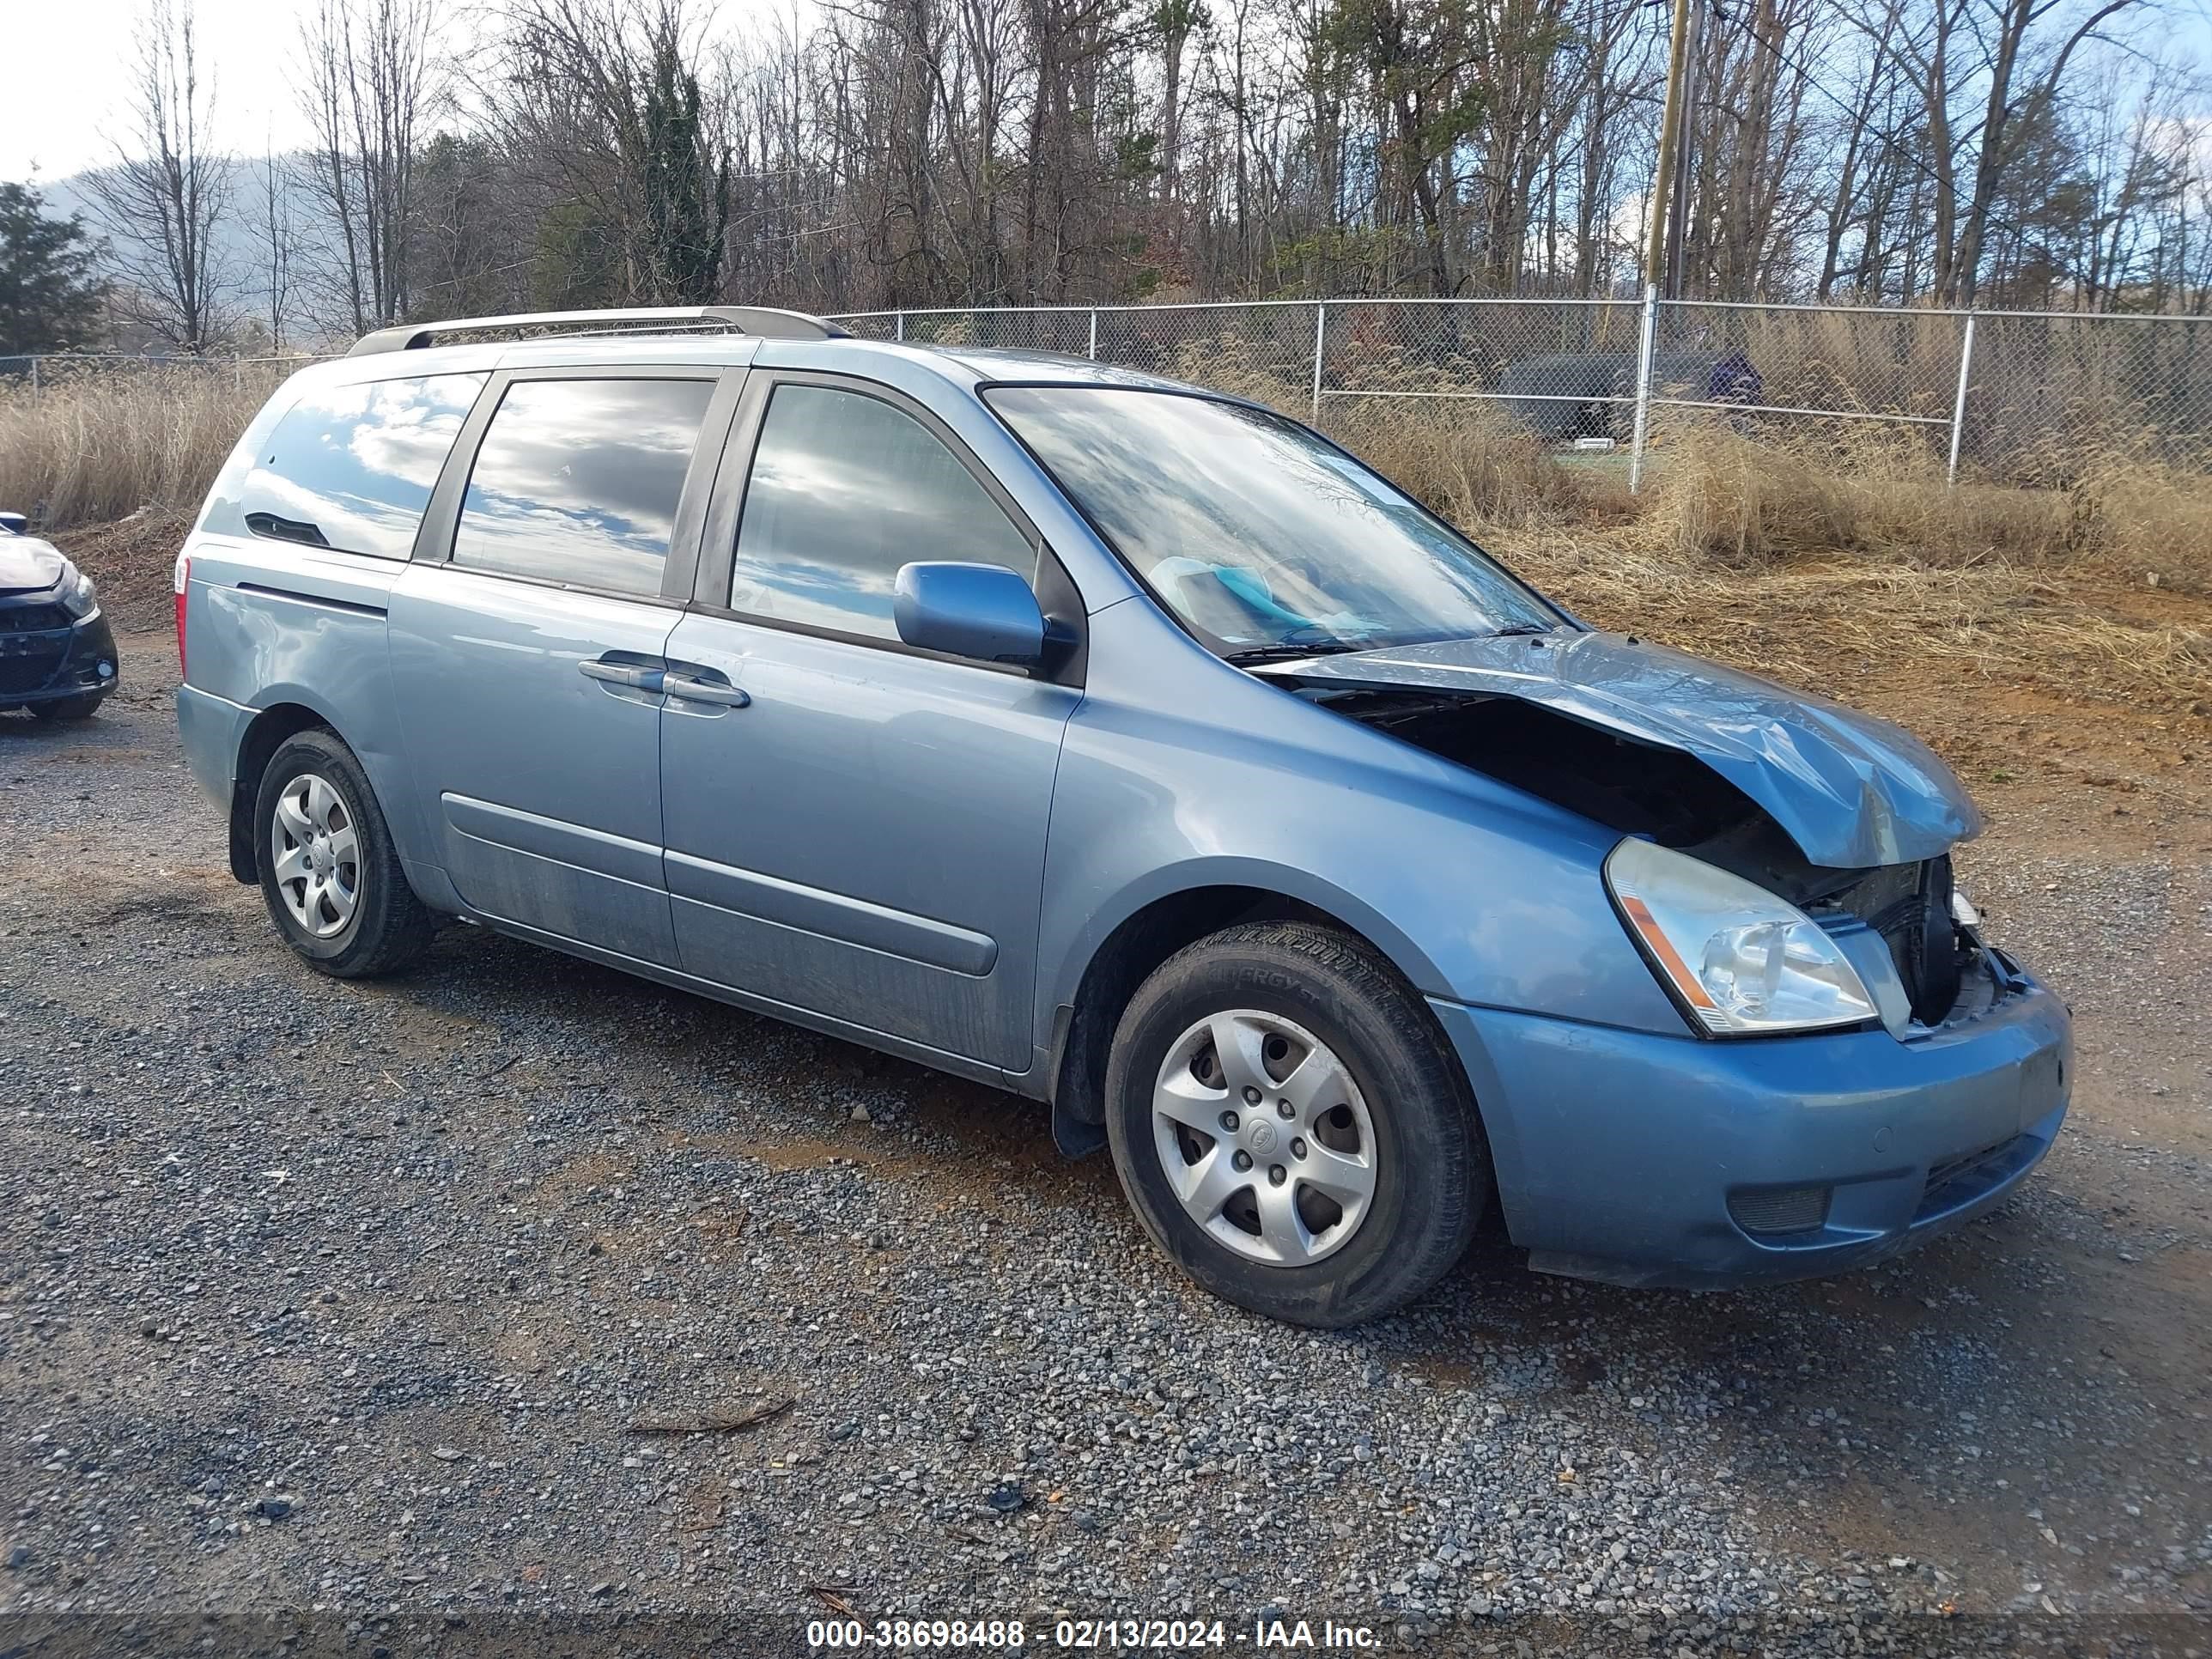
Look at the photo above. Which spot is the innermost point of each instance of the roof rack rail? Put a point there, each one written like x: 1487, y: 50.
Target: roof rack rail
x: 765, y: 321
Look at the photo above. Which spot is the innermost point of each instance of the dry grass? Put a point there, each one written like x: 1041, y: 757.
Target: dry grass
x: 99, y: 445
x: 1827, y: 624
x: 1473, y: 467
x: 1834, y: 559
x: 1881, y: 493
x: 1842, y: 557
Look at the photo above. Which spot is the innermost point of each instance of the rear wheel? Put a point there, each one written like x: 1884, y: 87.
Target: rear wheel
x: 329, y: 873
x: 1290, y: 1127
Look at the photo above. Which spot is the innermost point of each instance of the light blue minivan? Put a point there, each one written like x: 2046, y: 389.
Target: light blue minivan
x: 1123, y: 744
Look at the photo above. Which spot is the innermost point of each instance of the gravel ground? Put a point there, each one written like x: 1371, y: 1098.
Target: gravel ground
x: 517, y: 1287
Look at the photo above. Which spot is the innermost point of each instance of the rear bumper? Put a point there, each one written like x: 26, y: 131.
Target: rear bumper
x: 1648, y: 1160
x: 208, y: 729
x: 45, y: 667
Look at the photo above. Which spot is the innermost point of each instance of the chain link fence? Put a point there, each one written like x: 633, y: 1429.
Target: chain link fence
x: 2006, y: 396
x: 35, y: 375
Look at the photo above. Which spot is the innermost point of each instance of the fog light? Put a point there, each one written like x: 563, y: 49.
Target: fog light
x: 107, y: 669
x: 1790, y: 1210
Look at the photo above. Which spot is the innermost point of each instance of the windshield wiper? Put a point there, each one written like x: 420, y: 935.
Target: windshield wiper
x: 1513, y: 630
x: 1287, y: 653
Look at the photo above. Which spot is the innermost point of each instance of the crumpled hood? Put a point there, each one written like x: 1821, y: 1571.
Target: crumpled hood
x: 28, y: 563
x: 1850, y: 790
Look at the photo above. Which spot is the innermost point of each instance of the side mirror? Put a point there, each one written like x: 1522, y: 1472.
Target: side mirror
x: 984, y: 612
x: 14, y: 523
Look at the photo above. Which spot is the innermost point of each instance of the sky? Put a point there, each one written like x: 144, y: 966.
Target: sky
x: 65, y: 105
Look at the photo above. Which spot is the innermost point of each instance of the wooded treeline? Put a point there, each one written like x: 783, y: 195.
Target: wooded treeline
x: 907, y: 153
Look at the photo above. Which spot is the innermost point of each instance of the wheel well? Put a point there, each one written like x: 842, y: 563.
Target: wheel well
x: 268, y: 732
x: 1083, y: 1031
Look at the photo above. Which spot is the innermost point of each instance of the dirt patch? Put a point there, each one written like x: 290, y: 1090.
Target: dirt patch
x: 132, y: 562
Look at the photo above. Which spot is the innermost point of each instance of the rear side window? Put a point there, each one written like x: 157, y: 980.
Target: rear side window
x: 577, y: 481
x: 846, y: 488
x: 351, y: 467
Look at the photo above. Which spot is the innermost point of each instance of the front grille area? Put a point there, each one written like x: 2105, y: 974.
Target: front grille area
x: 28, y: 671
x: 34, y: 640
x: 1909, y: 906
x: 1790, y: 1210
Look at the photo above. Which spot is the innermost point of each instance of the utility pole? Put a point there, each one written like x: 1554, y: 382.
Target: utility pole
x: 1662, y: 258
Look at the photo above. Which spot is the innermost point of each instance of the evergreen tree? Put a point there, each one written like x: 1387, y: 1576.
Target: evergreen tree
x: 49, y: 295
x: 687, y: 193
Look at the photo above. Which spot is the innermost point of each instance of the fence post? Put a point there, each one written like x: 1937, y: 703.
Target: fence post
x: 899, y: 325
x: 1959, y: 404
x: 1094, y: 335
x: 1643, y: 354
x: 34, y: 379
x: 1321, y: 334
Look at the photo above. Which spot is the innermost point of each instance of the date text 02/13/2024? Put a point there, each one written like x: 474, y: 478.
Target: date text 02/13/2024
x: 1268, y: 1631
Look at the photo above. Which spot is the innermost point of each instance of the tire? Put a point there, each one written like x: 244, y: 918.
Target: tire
x: 384, y: 928
x: 69, y: 709
x: 1405, y: 1111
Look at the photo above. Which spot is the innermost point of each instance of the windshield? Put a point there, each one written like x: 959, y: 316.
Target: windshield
x: 1262, y: 538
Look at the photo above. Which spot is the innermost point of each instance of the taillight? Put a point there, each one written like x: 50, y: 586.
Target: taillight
x: 183, y: 578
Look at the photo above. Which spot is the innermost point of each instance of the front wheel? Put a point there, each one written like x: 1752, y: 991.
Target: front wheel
x: 1290, y: 1127
x: 329, y: 872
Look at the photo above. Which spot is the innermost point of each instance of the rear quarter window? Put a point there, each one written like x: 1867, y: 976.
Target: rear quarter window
x: 351, y: 467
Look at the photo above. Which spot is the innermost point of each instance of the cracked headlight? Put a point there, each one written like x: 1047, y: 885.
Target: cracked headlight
x: 76, y: 595
x: 1740, y: 960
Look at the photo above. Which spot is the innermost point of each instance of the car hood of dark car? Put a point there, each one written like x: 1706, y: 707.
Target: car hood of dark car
x: 1850, y: 790
x: 27, y: 564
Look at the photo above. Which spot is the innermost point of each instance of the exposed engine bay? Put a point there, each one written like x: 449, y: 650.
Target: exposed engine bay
x: 1676, y: 800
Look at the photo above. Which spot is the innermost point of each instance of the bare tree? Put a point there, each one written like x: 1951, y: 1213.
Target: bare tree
x: 269, y: 223
x: 869, y: 154
x: 162, y: 200
x: 370, y: 82
x: 2022, y: 93
x: 599, y: 103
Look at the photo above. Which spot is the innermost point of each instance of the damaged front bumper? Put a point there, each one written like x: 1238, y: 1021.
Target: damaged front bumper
x: 1648, y: 1160
x: 46, y: 656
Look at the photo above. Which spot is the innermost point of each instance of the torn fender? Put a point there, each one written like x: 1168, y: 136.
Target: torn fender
x: 1852, y: 790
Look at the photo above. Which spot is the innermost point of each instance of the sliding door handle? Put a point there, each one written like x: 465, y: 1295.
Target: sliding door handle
x: 691, y: 689
x: 635, y: 676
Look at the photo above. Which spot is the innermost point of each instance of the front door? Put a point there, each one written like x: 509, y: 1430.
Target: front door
x: 854, y: 828
x: 528, y: 660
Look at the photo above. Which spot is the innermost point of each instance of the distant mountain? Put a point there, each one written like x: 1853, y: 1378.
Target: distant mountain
x: 238, y: 253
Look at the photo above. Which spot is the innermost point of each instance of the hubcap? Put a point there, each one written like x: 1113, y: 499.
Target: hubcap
x: 317, y: 856
x: 1265, y: 1137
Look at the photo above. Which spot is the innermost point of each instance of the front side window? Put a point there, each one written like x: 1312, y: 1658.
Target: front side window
x: 577, y: 481
x: 1258, y: 535
x: 351, y: 467
x: 845, y: 489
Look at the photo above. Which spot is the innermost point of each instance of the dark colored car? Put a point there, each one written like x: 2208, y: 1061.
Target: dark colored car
x: 1576, y: 394
x: 57, y: 652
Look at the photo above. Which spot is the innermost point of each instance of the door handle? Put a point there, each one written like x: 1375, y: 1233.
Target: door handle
x: 637, y: 676
x: 691, y: 689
